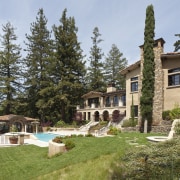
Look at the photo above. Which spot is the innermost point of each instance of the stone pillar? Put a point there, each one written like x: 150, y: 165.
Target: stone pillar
x: 158, y: 86
x: 111, y: 101
x: 120, y: 102
x: 86, y: 103
x: 101, y: 102
x: 25, y: 128
x: 101, y: 117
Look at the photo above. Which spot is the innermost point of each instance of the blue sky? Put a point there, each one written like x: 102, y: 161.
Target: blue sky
x: 120, y: 22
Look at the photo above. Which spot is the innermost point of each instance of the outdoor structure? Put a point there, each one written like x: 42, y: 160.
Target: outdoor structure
x: 23, y: 124
x: 109, y: 106
x: 167, y: 82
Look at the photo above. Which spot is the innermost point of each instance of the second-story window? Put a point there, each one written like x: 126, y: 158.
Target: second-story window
x: 134, y: 84
x: 115, y: 101
x: 108, y: 103
x: 123, y: 98
x: 174, y: 77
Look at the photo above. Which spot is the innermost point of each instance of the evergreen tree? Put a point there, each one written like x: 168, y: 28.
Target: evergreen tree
x: 114, y: 62
x: 146, y: 100
x: 69, y: 67
x: 10, y: 70
x: 95, y: 71
x: 38, y: 60
x: 177, y: 44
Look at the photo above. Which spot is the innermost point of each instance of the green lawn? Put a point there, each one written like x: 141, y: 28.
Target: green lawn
x: 90, y: 159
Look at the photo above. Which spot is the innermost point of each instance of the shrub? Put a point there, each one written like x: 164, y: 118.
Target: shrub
x: 60, y: 123
x: 175, y: 113
x: 80, y: 135
x: 73, y: 135
x: 69, y: 144
x: 113, y: 131
x: 166, y: 115
x: 177, y: 128
x: 130, y: 123
x: 103, y: 122
x: 57, y: 139
x: 89, y: 135
x: 157, y: 161
x: 48, y: 128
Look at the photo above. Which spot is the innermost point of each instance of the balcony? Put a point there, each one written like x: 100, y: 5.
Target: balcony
x: 97, y: 106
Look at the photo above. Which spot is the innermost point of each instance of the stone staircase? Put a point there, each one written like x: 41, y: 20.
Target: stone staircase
x: 86, y: 127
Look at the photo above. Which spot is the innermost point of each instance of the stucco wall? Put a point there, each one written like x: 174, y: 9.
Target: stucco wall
x: 171, y: 93
x: 133, y: 73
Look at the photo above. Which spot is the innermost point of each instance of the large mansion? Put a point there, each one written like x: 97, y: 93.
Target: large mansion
x: 115, y: 103
x: 104, y: 106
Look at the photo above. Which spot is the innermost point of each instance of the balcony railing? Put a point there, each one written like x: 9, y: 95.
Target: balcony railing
x: 94, y: 106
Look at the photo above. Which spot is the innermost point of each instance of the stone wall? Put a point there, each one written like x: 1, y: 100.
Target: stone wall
x: 158, y: 85
x: 155, y: 129
x: 56, y: 148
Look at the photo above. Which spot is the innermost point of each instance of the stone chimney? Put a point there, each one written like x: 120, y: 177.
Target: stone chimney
x: 111, y: 87
x: 158, y: 86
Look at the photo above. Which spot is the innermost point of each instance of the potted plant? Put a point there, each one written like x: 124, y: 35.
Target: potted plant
x: 14, y: 138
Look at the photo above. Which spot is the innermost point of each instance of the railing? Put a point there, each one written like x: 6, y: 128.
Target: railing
x: 101, y: 106
x: 3, y: 140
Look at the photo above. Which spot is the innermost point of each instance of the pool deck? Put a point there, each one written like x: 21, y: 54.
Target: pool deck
x: 4, y: 142
x: 67, y: 132
x: 36, y: 142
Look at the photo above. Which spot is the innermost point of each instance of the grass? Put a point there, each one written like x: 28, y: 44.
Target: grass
x: 90, y: 159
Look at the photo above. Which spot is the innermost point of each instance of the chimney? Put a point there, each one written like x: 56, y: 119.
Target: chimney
x: 111, y: 87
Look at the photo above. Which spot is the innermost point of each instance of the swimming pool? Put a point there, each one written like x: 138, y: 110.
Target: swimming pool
x: 45, y: 136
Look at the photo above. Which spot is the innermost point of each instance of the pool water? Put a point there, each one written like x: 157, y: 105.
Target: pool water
x: 45, y: 136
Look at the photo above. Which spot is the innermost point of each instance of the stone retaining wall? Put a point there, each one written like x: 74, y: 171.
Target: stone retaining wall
x: 156, y: 129
x: 56, y: 148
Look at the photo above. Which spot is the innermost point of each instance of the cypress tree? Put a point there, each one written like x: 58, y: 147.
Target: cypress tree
x: 146, y: 99
x: 10, y: 70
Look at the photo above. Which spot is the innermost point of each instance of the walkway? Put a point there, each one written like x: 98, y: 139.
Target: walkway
x: 36, y: 142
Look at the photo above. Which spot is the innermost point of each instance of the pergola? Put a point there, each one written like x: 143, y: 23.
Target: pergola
x: 23, y: 124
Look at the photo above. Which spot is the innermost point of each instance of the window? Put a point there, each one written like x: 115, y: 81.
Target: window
x: 134, y: 78
x: 174, y: 70
x: 93, y: 101
x: 174, y: 77
x: 123, y: 98
x: 108, y: 103
x: 134, y: 84
x: 115, y: 101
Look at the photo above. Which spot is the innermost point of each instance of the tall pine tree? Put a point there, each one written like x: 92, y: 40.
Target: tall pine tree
x: 69, y: 68
x: 39, y: 60
x: 95, y: 70
x: 146, y: 99
x: 10, y: 70
x: 115, y: 62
